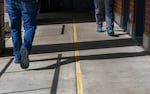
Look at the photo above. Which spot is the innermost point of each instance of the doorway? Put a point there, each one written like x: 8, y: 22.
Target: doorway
x: 139, y: 18
x: 66, y: 6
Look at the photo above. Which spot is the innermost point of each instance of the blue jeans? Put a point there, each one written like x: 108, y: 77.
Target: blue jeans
x: 100, y: 7
x: 19, y: 10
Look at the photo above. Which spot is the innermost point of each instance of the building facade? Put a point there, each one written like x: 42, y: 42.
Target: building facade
x: 133, y: 16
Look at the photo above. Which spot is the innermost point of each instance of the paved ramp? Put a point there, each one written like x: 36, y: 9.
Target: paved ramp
x: 106, y: 65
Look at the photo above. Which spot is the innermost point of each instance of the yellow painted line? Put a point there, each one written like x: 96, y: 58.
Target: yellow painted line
x: 78, y: 69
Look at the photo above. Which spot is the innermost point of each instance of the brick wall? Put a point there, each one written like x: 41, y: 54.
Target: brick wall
x: 122, y: 8
x: 2, y: 42
x: 118, y: 12
x: 121, y: 12
x: 118, y: 6
x: 132, y: 11
x: 146, y: 38
x: 147, y: 17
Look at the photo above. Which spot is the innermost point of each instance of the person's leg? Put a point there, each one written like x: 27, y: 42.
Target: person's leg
x: 99, y: 10
x: 109, y: 16
x: 29, y: 14
x: 109, y: 13
x: 15, y: 19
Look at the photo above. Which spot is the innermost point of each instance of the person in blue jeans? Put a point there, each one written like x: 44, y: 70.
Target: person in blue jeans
x: 107, y: 6
x: 19, y: 10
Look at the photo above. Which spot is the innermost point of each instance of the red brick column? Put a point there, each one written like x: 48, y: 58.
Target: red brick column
x: 131, y: 21
x: 118, y: 6
x: 118, y: 11
x: 132, y: 11
x: 2, y: 33
x: 146, y: 38
x: 147, y: 17
x: 121, y: 12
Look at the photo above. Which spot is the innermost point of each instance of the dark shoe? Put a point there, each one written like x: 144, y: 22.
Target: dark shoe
x: 110, y: 31
x: 17, y: 61
x: 24, y: 58
x: 99, y: 28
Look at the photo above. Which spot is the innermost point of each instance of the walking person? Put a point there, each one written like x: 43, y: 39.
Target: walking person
x: 100, y: 7
x: 22, y: 11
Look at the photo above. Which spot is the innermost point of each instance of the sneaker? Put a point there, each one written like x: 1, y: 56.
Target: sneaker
x: 24, y: 58
x: 17, y: 61
x: 99, y: 28
x: 110, y: 31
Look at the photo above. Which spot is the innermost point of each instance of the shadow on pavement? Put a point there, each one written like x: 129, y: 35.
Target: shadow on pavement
x: 90, y: 57
x: 51, y: 48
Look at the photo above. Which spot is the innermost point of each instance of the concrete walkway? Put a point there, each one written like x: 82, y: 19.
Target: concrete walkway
x: 108, y: 65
